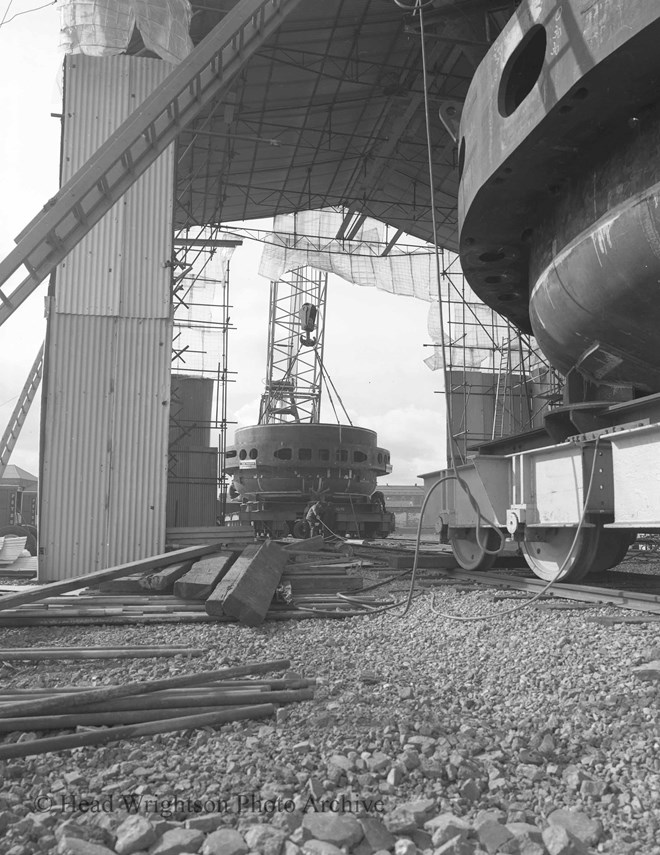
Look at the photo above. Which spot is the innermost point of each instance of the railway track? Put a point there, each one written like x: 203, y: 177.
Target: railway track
x: 617, y: 590
x: 622, y: 587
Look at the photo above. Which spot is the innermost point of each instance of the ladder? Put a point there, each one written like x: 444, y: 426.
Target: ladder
x: 22, y: 408
x: 503, y: 381
x: 202, y: 77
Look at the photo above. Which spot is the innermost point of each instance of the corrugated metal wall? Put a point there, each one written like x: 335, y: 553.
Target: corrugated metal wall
x: 107, y: 374
x: 193, y: 487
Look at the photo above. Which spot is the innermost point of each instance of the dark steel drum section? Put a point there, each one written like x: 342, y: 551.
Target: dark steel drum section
x: 305, y: 460
x: 559, y: 202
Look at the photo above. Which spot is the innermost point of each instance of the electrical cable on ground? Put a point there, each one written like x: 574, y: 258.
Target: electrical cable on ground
x: 417, y: 9
x: 557, y: 576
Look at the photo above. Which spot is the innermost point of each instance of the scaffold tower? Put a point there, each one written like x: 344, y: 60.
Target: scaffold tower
x: 296, y: 331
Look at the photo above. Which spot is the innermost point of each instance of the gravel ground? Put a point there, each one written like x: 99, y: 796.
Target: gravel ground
x: 526, y: 734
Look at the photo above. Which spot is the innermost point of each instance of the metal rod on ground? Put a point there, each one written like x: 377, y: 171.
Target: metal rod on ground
x: 274, y: 685
x: 8, y: 654
x: 271, y: 685
x: 153, y: 702
x: 29, y: 724
x: 113, y: 734
x: 91, y: 696
x: 54, y: 619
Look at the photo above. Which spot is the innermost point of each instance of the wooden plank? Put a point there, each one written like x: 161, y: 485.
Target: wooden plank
x: 316, y: 559
x: 112, y: 734
x: 52, y: 619
x: 10, y: 601
x: 324, y: 584
x: 311, y: 544
x: 229, y: 536
x: 313, y: 570
x: 141, y: 620
x: 163, y: 580
x: 246, y: 591
x: 124, y: 585
x: 198, y: 582
x: 611, y: 620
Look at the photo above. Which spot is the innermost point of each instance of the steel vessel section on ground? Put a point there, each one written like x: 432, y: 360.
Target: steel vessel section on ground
x: 298, y: 460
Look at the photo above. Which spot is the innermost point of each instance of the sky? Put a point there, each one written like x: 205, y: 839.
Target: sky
x: 374, y: 341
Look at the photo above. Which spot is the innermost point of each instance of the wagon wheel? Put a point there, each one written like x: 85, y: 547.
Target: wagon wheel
x: 301, y: 529
x: 470, y: 553
x: 612, y: 547
x: 548, y: 555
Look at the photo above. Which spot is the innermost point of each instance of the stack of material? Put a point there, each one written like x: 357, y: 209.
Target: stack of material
x: 395, y: 558
x: 321, y: 578
x: 11, y: 548
x: 185, y: 702
x: 233, y: 537
x: 224, y: 585
x: 246, y: 589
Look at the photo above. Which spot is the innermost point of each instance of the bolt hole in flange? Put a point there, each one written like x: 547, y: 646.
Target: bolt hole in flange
x: 490, y: 257
x: 461, y: 158
x: 522, y: 70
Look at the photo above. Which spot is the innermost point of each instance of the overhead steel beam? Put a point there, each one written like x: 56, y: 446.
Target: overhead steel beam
x: 203, y: 76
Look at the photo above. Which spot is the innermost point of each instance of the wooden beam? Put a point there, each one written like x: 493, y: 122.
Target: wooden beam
x: 247, y: 590
x: 311, y: 544
x: 163, y: 580
x: 198, y: 582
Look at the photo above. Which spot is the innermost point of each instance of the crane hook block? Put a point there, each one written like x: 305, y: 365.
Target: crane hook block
x: 308, y: 314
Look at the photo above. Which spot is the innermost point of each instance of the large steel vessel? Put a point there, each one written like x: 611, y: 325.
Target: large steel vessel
x: 560, y: 190
x: 559, y: 216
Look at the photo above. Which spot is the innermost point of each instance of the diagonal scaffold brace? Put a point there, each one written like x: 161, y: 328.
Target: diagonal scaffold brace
x: 22, y: 408
x: 202, y: 77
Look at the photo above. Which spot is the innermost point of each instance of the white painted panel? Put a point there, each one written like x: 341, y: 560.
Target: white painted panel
x: 557, y: 485
x: 636, y: 467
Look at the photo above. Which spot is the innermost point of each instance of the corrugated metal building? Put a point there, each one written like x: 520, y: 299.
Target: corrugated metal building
x: 405, y: 503
x: 107, y: 372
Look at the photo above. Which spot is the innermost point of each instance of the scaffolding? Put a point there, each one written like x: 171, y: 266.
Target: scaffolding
x: 200, y: 377
x: 499, y: 382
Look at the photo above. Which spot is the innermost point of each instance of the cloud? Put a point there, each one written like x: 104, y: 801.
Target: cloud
x: 415, y: 438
